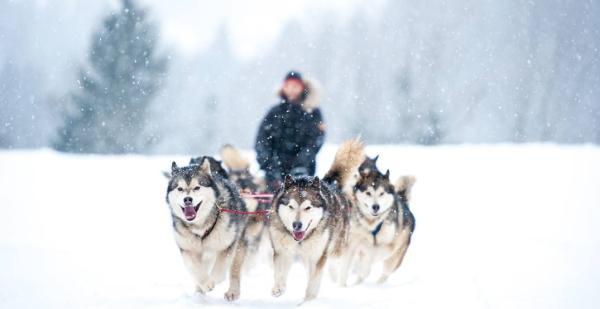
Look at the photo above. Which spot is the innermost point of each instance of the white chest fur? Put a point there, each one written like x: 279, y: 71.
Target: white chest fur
x: 194, y: 238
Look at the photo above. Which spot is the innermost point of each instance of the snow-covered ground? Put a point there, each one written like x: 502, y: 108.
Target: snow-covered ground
x: 497, y: 227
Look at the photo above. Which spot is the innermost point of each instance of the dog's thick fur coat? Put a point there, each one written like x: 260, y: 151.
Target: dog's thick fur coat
x: 381, y: 224
x: 310, y: 220
x: 210, y: 241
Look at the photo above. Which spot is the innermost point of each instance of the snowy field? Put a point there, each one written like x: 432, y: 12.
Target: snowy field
x: 497, y: 227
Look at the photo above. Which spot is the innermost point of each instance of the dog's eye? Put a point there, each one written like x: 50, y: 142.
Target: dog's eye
x: 368, y: 193
x: 180, y: 189
x: 381, y: 194
x: 196, y: 188
x: 291, y: 207
x: 307, y: 208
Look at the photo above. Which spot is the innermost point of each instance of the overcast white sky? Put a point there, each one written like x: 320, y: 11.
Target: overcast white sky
x: 253, y: 24
x: 190, y: 25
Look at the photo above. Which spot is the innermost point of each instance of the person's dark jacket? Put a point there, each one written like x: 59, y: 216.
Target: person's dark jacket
x: 290, y: 137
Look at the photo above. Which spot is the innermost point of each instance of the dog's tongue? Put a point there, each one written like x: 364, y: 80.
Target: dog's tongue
x: 189, y: 211
x: 298, y: 235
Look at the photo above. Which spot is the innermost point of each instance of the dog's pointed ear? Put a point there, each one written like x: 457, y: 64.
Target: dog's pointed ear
x: 173, y: 167
x: 288, y: 181
x: 316, y: 183
x: 375, y: 159
x: 387, y: 175
x: 205, y: 166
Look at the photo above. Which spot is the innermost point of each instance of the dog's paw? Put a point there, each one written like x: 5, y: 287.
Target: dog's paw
x: 209, y: 285
x: 232, y: 295
x: 359, y: 280
x: 278, y: 291
x: 382, y: 279
x: 205, y: 287
x: 200, y: 289
x: 307, y: 298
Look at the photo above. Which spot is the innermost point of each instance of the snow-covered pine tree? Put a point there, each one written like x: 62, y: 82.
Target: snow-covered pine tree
x: 114, y: 94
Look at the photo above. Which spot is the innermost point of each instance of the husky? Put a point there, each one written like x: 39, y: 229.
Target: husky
x: 238, y: 169
x: 381, y: 224
x: 210, y: 240
x: 310, y: 220
x: 239, y: 173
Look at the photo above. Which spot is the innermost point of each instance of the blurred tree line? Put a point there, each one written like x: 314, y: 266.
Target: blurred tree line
x: 488, y: 71
x: 109, y: 111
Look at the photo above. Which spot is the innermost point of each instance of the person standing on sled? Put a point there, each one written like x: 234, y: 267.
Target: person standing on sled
x: 291, y: 134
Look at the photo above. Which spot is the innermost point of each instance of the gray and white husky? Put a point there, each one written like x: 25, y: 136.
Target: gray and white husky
x: 211, y: 241
x: 381, y: 223
x: 310, y: 220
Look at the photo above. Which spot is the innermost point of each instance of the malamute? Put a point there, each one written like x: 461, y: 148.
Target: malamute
x: 381, y: 223
x: 210, y: 240
x: 310, y: 220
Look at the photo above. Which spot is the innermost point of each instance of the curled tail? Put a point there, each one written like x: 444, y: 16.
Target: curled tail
x: 233, y: 158
x: 347, y: 159
x: 403, y: 186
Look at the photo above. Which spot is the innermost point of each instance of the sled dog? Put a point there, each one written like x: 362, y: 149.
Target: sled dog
x: 211, y: 241
x: 310, y: 220
x: 381, y: 223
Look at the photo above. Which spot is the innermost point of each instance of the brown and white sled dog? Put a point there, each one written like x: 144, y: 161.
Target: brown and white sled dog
x: 310, y: 220
x: 211, y: 241
x: 381, y: 223
x: 239, y: 173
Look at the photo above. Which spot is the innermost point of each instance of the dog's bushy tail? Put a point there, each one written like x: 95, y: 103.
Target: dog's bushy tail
x: 347, y: 159
x: 233, y: 158
x: 403, y: 186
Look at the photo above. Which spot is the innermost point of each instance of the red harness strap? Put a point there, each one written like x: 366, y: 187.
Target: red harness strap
x: 261, y: 198
x: 239, y: 212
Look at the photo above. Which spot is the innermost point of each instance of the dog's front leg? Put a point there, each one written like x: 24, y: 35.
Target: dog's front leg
x: 282, y: 261
x: 197, y: 264
x: 344, y: 265
x: 233, y: 292
x: 315, y: 275
x: 365, y: 262
x: 220, y: 268
x: 393, y: 262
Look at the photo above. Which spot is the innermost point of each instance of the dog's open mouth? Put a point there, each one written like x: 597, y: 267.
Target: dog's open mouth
x: 190, y: 211
x: 299, y: 235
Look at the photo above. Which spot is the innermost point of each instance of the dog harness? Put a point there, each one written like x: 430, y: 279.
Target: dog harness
x: 376, y: 231
x: 257, y: 212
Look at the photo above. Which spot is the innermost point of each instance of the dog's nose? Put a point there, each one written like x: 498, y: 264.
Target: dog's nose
x: 375, y: 207
x: 297, y: 225
x: 187, y: 199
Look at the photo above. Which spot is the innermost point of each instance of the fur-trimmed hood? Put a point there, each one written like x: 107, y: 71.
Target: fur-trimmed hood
x: 311, y: 95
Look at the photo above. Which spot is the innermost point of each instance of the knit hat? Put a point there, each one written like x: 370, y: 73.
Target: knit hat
x: 293, y: 75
